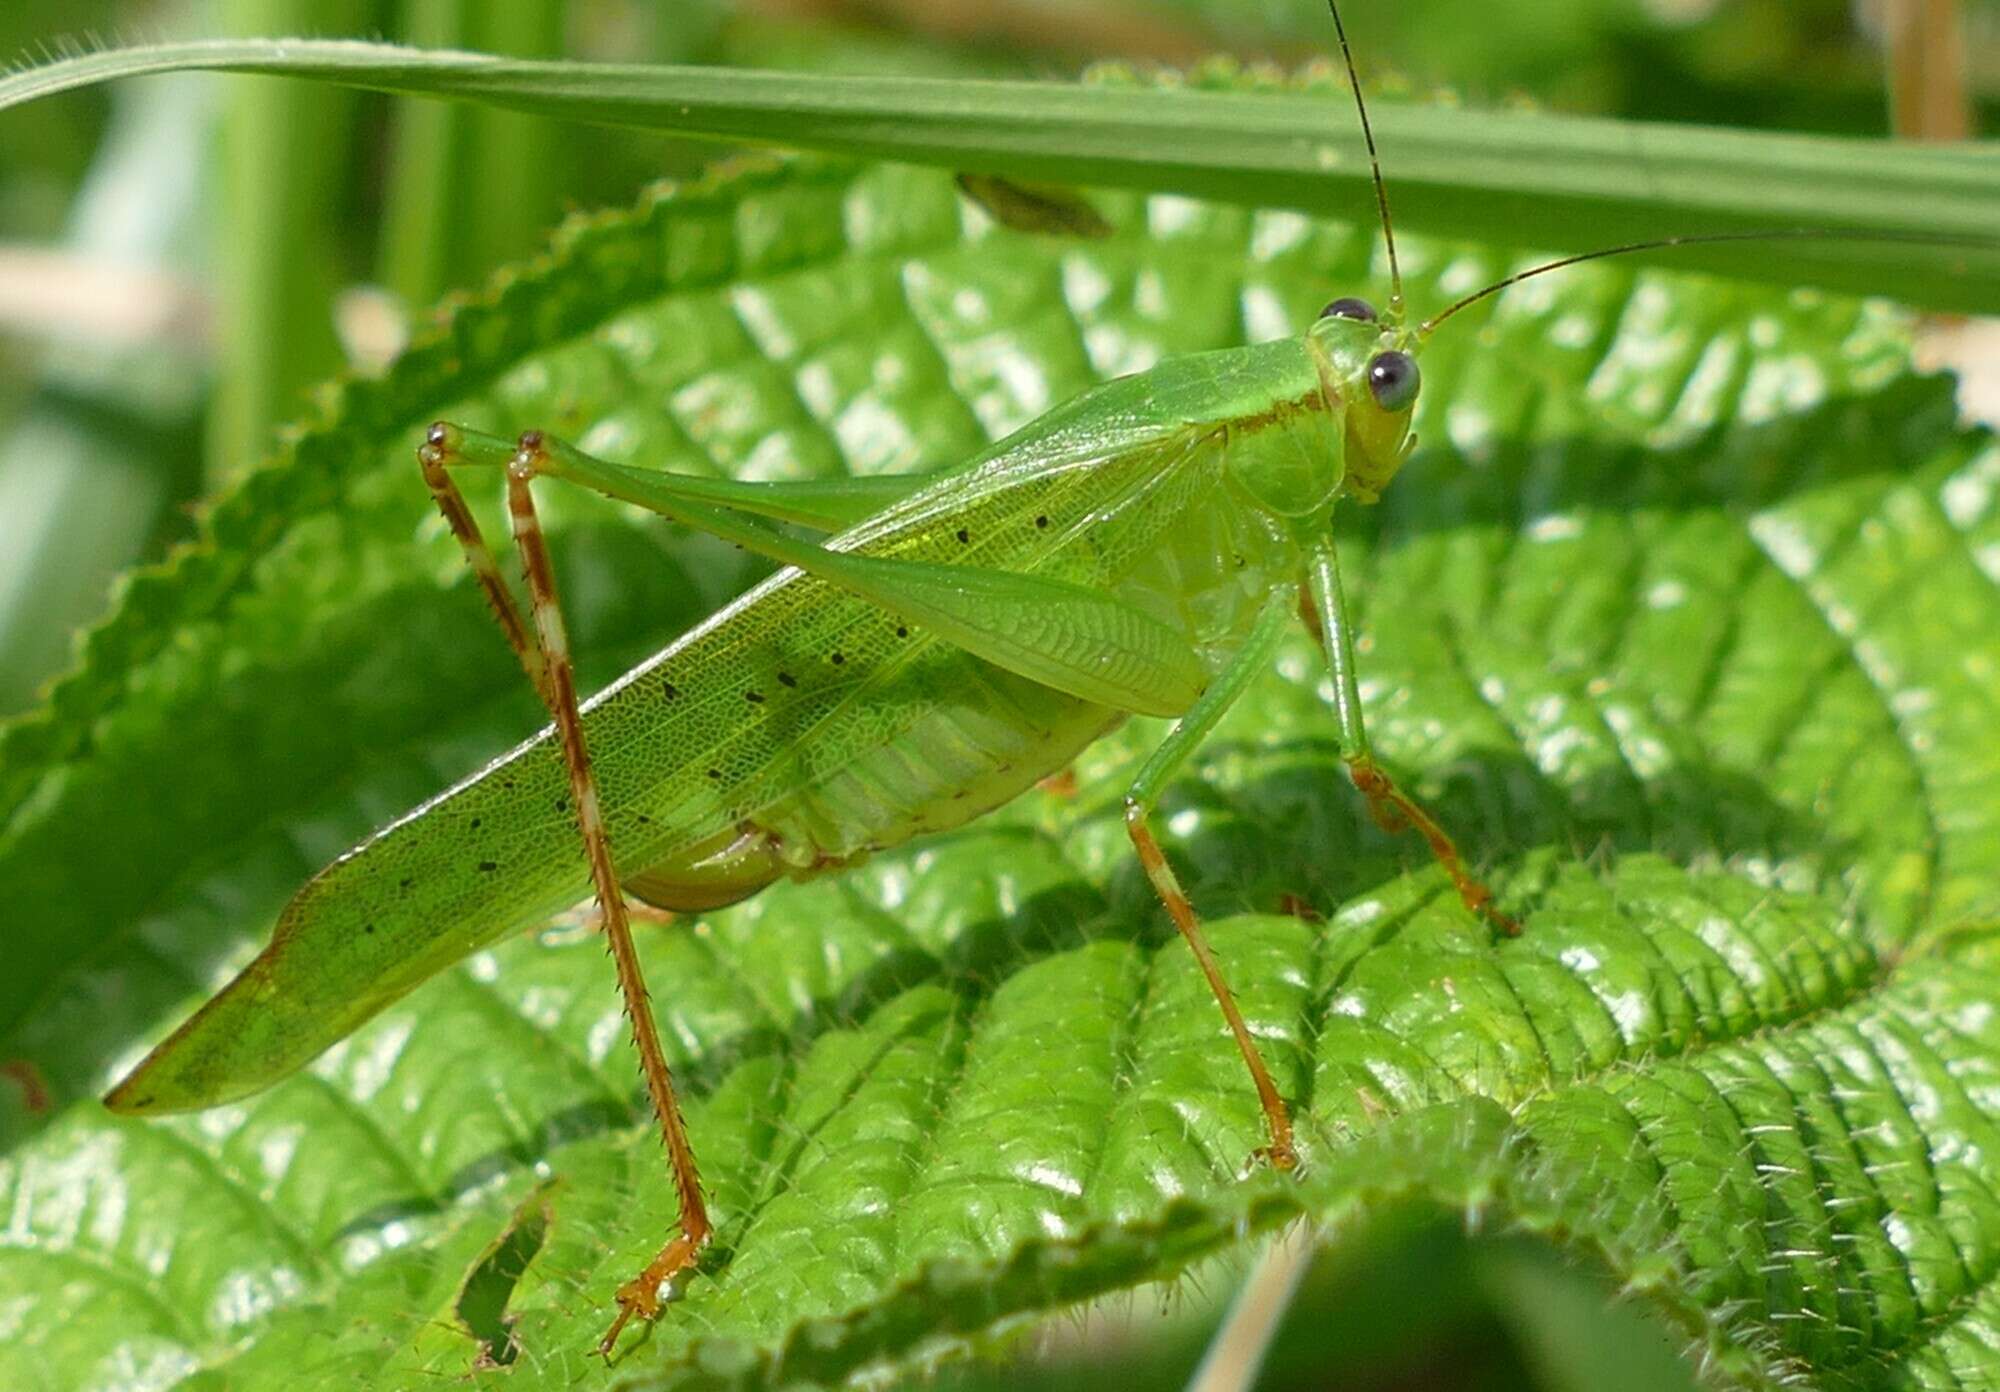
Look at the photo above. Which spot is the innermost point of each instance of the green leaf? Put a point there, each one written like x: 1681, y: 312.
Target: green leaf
x: 1684, y: 620
x: 1567, y: 183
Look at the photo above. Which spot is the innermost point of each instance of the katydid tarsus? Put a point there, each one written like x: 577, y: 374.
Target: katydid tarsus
x: 952, y: 640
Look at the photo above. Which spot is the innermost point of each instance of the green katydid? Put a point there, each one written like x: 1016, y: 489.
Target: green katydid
x: 952, y: 640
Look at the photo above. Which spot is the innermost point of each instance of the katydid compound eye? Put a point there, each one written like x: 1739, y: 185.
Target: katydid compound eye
x: 1347, y: 307
x: 1393, y: 379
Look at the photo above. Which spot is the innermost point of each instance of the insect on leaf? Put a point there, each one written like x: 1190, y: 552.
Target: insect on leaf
x: 1683, y: 617
x: 1034, y: 207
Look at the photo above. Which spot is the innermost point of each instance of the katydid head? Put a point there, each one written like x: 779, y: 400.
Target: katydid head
x: 1350, y: 435
x: 1367, y: 361
x: 1368, y: 368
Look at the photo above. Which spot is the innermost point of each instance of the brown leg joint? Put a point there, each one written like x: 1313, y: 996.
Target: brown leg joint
x: 1395, y: 811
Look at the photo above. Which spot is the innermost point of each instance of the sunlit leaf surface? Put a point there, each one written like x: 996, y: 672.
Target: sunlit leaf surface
x: 1684, y: 618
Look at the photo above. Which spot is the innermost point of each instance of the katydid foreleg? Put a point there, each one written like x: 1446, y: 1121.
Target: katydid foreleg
x: 544, y: 651
x: 1394, y: 810
x: 1187, y: 736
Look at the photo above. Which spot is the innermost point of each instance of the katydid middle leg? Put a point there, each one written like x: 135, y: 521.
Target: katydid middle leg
x: 1187, y: 736
x: 1393, y: 809
x: 544, y: 650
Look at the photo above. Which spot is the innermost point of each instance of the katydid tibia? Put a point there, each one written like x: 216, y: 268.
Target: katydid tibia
x: 952, y: 639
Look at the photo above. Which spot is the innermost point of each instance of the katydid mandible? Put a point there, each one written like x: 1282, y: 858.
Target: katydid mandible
x: 954, y: 639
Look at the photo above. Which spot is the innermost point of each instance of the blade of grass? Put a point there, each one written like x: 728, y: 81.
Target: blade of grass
x: 282, y: 148
x: 1563, y: 183
x: 421, y: 231
x: 1928, y: 99
x: 469, y: 188
x: 511, y: 154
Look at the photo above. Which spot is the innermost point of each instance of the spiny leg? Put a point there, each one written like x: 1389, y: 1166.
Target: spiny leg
x: 1186, y: 736
x: 437, y: 452
x: 1393, y: 809
x: 586, y: 916
x: 545, y: 651
x: 640, y: 1295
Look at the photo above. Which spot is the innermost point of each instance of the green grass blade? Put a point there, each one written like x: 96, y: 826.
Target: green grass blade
x: 1562, y: 183
x: 509, y: 155
x: 424, y: 240
x: 284, y: 153
x: 469, y: 187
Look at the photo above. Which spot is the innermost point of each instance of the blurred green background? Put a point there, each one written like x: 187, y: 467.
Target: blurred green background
x: 182, y: 258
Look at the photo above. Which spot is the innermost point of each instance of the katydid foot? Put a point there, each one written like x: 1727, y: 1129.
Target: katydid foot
x: 1395, y: 812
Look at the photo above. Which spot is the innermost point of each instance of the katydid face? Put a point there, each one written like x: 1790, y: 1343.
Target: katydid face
x: 1369, y: 369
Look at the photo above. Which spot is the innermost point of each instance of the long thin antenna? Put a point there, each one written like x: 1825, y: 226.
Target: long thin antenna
x: 1374, y: 166
x: 1835, y: 234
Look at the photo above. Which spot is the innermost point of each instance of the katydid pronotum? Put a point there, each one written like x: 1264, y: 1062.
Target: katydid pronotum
x: 952, y: 640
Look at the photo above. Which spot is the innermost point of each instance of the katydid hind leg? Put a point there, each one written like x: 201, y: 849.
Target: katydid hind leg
x: 822, y: 505
x: 436, y: 455
x: 1078, y: 639
x: 1140, y: 802
x: 639, y: 1296
x: 1394, y: 810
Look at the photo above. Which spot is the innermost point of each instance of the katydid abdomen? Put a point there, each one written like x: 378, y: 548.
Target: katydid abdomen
x: 802, y: 727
